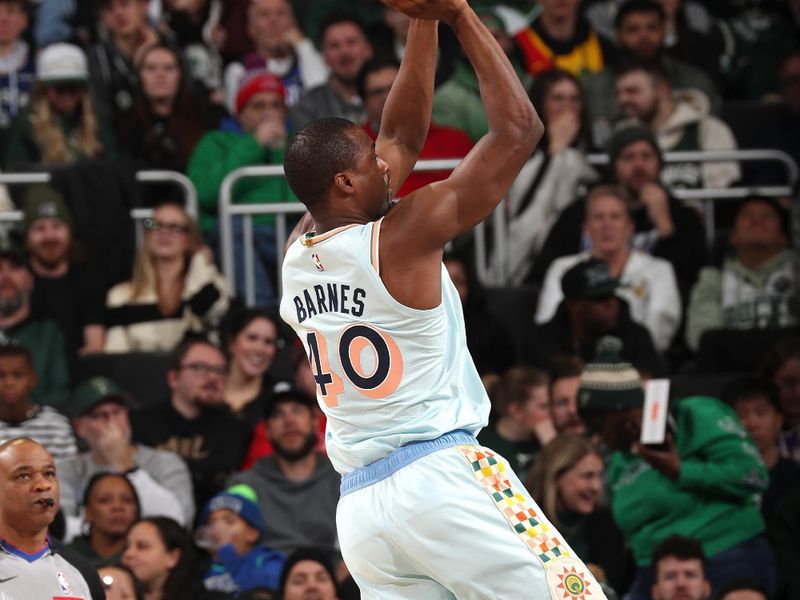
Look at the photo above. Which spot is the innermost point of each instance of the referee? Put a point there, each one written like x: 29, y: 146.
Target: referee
x: 31, y: 564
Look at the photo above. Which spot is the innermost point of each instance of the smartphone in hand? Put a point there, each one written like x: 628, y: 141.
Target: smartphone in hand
x: 655, y: 415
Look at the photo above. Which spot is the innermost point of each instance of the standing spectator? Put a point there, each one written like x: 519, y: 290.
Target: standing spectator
x: 647, y: 283
x: 297, y: 488
x: 308, y: 574
x: 60, y: 125
x: 562, y: 38
x: 553, y: 177
x: 708, y: 475
x: 161, y: 556
x: 565, y: 380
x: 345, y: 49
x: 641, y: 29
x: 176, y: 288
x: 66, y: 288
x: 566, y: 480
x: 196, y: 423
x: 680, y: 121
x: 34, y: 564
x: 235, y: 527
x: 757, y: 287
x: 43, y: 339
x: 17, y: 65
x: 782, y: 367
x: 758, y: 408
x: 259, y: 138
x: 166, y: 120
x: 522, y: 425
x: 488, y: 340
x: 111, y: 507
x: 20, y: 416
x: 663, y: 226
x: 679, y: 570
x: 100, y: 417
x: 250, y: 338
x: 281, y: 49
x: 124, y: 29
x: 374, y: 83
x: 590, y: 310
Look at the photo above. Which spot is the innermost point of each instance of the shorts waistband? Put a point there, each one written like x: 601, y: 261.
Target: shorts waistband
x: 403, y: 456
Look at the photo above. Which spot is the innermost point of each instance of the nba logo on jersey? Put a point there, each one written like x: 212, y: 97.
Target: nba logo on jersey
x: 317, y: 262
x: 62, y: 581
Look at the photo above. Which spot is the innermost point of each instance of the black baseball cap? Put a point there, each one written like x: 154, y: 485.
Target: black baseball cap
x: 284, y: 392
x: 588, y: 279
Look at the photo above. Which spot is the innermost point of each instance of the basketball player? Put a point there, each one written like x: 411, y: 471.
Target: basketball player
x: 425, y: 513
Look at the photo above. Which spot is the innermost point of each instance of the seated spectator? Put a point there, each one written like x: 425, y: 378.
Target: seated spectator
x: 43, y: 338
x: 160, y: 554
x: 120, y: 583
x: 565, y: 379
x: 161, y: 479
x: 374, y: 82
x: 554, y: 175
x: 590, y: 310
x: 176, y: 288
x: 60, y: 125
x: 561, y: 38
x: 708, y: 475
x: 281, y: 49
x: 124, y: 28
x: 110, y: 508
x: 259, y: 138
x: 663, y: 226
x: 758, y: 408
x: 250, y: 338
x: 166, y: 120
x: 487, y: 338
x: 66, y: 289
x: 742, y: 589
x: 566, y: 481
x: 235, y: 527
x: 782, y: 367
x: 308, y: 574
x: 36, y: 565
x: 681, y: 121
x: 20, y: 416
x: 296, y: 486
x: 521, y: 426
x: 757, y: 287
x: 647, y: 283
x: 679, y: 570
x: 195, y: 422
x: 641, y: 31
x: 17, y: 66
x: 345, y: 49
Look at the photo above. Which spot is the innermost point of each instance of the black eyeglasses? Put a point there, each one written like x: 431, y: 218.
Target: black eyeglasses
x: 206, y: 369
x: 153, y: 225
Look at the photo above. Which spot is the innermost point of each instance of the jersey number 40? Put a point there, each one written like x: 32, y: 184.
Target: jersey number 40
x: 377, y: 381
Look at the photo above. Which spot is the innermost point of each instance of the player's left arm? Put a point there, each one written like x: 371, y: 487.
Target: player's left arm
x: 407, y: 114
x: 304, y: 225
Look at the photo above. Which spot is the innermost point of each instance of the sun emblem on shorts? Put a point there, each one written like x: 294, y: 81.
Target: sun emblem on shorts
x: 574, y: 584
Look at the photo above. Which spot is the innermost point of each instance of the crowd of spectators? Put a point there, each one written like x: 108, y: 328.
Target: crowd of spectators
x: 210, y: 479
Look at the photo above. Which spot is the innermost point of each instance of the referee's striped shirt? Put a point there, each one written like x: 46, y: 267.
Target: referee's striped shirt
x: 48, y: 427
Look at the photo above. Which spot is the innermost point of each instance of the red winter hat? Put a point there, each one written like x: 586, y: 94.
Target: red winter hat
x: 263, y: 82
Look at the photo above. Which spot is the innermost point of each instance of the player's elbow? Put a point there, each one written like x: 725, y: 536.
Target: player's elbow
x: 525, y: 128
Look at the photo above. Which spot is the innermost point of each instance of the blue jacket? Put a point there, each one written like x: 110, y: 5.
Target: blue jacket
x: 229, y: 573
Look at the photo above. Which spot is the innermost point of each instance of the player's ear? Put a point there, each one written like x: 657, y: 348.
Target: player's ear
x: 344, y: 182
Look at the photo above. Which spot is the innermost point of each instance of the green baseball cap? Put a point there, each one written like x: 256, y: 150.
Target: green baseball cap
x: 95, y: 391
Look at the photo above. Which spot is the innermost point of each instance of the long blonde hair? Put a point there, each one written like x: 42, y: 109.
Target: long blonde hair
x: 558, y: 457
x: 53, y: 144
x: 144, y: 269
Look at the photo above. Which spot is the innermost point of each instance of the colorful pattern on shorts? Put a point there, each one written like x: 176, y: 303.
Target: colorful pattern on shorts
x: 534, y: 531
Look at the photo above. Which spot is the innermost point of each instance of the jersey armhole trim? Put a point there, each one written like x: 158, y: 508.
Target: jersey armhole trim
x: 375, y: 246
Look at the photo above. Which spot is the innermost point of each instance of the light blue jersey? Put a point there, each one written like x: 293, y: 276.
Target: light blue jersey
x: 386, y: 374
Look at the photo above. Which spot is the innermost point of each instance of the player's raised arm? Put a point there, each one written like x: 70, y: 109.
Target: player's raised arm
x: 407, y: 114
x: 439, y: 212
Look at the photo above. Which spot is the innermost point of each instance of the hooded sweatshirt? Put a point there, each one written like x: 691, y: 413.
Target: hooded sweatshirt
x: 296, y: 513
x: 691, y: 127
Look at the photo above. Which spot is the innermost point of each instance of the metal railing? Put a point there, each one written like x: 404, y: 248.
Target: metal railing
x: 228, y: 210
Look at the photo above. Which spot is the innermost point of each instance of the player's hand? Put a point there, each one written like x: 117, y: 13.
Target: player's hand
x: 444, y: 10
x: 655, y: 199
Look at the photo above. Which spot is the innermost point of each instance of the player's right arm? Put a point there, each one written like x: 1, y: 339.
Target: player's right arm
x: 439, y: 212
